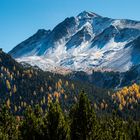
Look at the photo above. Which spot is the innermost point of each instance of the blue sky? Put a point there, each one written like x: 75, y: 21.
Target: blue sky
x: 19, y: 19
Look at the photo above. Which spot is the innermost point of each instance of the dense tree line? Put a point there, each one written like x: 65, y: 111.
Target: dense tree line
x: 22, y: 86
x: 80, y: 123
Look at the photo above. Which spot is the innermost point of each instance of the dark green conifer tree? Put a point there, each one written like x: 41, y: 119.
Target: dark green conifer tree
x: 83, y: 120
x: 32, y: 127
x: 57, y: 127
x: 113, y: 128
x: 8, y: 125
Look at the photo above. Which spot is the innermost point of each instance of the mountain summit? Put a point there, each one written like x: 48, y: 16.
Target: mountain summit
x: 86, y: 14
x: 85, y: 42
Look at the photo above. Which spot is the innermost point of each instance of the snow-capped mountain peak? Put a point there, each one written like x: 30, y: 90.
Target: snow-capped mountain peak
x: 86, y: 14
x: 85, y: 42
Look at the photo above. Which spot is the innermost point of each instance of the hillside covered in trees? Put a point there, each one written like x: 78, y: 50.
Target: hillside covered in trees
x: 42, y: 105
x: 21, y: 86
x: 80, y: 123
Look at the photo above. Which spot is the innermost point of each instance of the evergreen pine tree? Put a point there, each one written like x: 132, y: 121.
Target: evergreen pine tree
x: 8, y: 125
x: 32, y: 127
x: 83, y: 120
x: 56, y: 125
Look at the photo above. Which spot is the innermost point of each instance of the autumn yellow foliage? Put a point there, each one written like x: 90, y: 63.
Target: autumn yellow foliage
x: 127, y: 96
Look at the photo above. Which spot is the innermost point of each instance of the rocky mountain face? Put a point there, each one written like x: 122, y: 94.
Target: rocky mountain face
x: 83, y: 43
x: 108, y: 79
